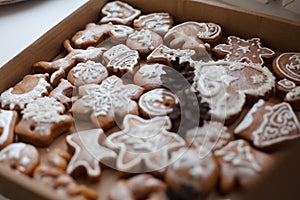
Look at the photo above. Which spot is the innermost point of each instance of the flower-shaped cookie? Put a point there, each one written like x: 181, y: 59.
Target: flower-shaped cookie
x: 144, y: 145
x: 105, y: 103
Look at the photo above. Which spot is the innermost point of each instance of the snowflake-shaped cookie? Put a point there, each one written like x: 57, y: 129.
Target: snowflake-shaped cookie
x: 144, y: 145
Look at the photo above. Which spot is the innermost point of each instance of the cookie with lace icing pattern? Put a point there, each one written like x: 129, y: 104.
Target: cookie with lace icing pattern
x: 119, y: 12
x: 159, y: 22
x: 42, y: 121
x: 27, y: 90
x: 114, y: 52
x: 227, y: 86
x: 249, y: 51
x: 267, y: 125
x: 241, y: 165
x: 144, y: 145
x: 8, y: 121
x: 87, y: 73
x: 105, y: 103
x: 21, y: 157
x: 283, y: 87
x: 287, y: 65
x: 88, y: 153
x: 293, y: 98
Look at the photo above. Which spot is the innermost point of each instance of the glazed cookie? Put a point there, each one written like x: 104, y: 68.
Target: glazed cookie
x: 191, y: 170
x: 26, y: 91
x: 20, y: 156
x: 157, y: 102
x: 241, y: 165
x: 92, y: 35
x: 159, y: 22
x: 227, y: 86
x: 87, y: 73
x: 267, y: 125
x: 185, y: 36
x: 105, y: 103
x: 283, y: 87
x: 293, y: 98
x: 60, y: 67
x: 114, y: 52
x: 143, y: 186
x: 88, y: 153
x: 64, y: 93
x: 144, y: 41
x: 119, y: 12
x: 8, y: 120
x: 249, y: 51
x: 211, y: 136
x: 287, y: 65
x: 144, y: 145
x: 210, y: 33
x: 42, y: 121
x: 119, y: 33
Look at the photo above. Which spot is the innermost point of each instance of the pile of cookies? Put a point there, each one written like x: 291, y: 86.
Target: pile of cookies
x: 178, y: 111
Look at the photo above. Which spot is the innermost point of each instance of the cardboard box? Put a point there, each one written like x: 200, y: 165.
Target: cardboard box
x: 276, y: 33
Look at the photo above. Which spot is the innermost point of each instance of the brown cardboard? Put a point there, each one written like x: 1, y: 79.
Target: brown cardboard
x: 276, y: 33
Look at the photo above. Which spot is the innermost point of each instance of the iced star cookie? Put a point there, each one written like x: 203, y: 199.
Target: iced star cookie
x: 241, y: 165
x: 227, y: 86
x: 88, y: 72
x: 107, y: 103
x: 88, y: 153
x: 142, y: 186
x: 144, y: 41
x: 26, y: 91
x: 159, y: 22
x: 191, y: 170
x: 267, y: 125
x: 157, y: 102
x: 293, y: 98
x: 60, y: 67
x: 8, y: 121
x: 119, y: 12
x: 211, y: 136
x: 144, y: 145
x: 249, y: 51
x: 42, y: 121
x: 283, y: 87
x: 21, y: 157
x: 287, y: 65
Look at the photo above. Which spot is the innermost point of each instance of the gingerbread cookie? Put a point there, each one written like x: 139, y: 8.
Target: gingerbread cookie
x: 144, y: 145
x: 241, y: 165
x: 119, y: 33
x: 143, y: 186
x: 64, y: 93
x: 249, y: 51
x: 165, y: 55
x: 42, y: 121
x: 287, y: 65
x: 267, y: 125
x: 144, y: 41
x: 26, y: 91
x: 157, y: 102
x: 149, y: 76
x: 159, y: 22
x: 194, y: 170
x: 114, y: 52
x: 210, y: 33
x: 105, y: 103
x: 8, y: 120
x: 185, y: 36
x: 283, y: 87
x: 92, y: 35
x: 211, y: 136
x: 119, y: 12
x: 20, y: 156
x: 88, y: 153
x: 87, y: 73
x: 293, y: 98
x: 227, y: 86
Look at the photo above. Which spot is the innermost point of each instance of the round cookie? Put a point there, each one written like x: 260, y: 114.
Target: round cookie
x: 287, y: 65
x: 283, y: 87
x: 144, y: 41
x: 210, y: 32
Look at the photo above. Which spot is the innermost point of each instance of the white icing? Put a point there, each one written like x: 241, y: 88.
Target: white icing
x: 115, y: 51
x: 209, y: 31
x: 12, y: 151
x: 91, y: 53
x: 8, y: 98
x: 151, y: 71
x: 44, y: 110
x: 144, y: 37
x: 121, y: 32
x: 289, y: 69
x: 256, y: 79
x: 25, y: 161
x: 286, y: 84
x: 57, y: 74
x: 294, y: 94
x: 126, y: 61
x: 6, y: 118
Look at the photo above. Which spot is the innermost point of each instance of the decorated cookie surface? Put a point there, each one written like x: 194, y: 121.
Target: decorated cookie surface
x: 283, y: 87
x: 8, y: 120
x: 293, y: 98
